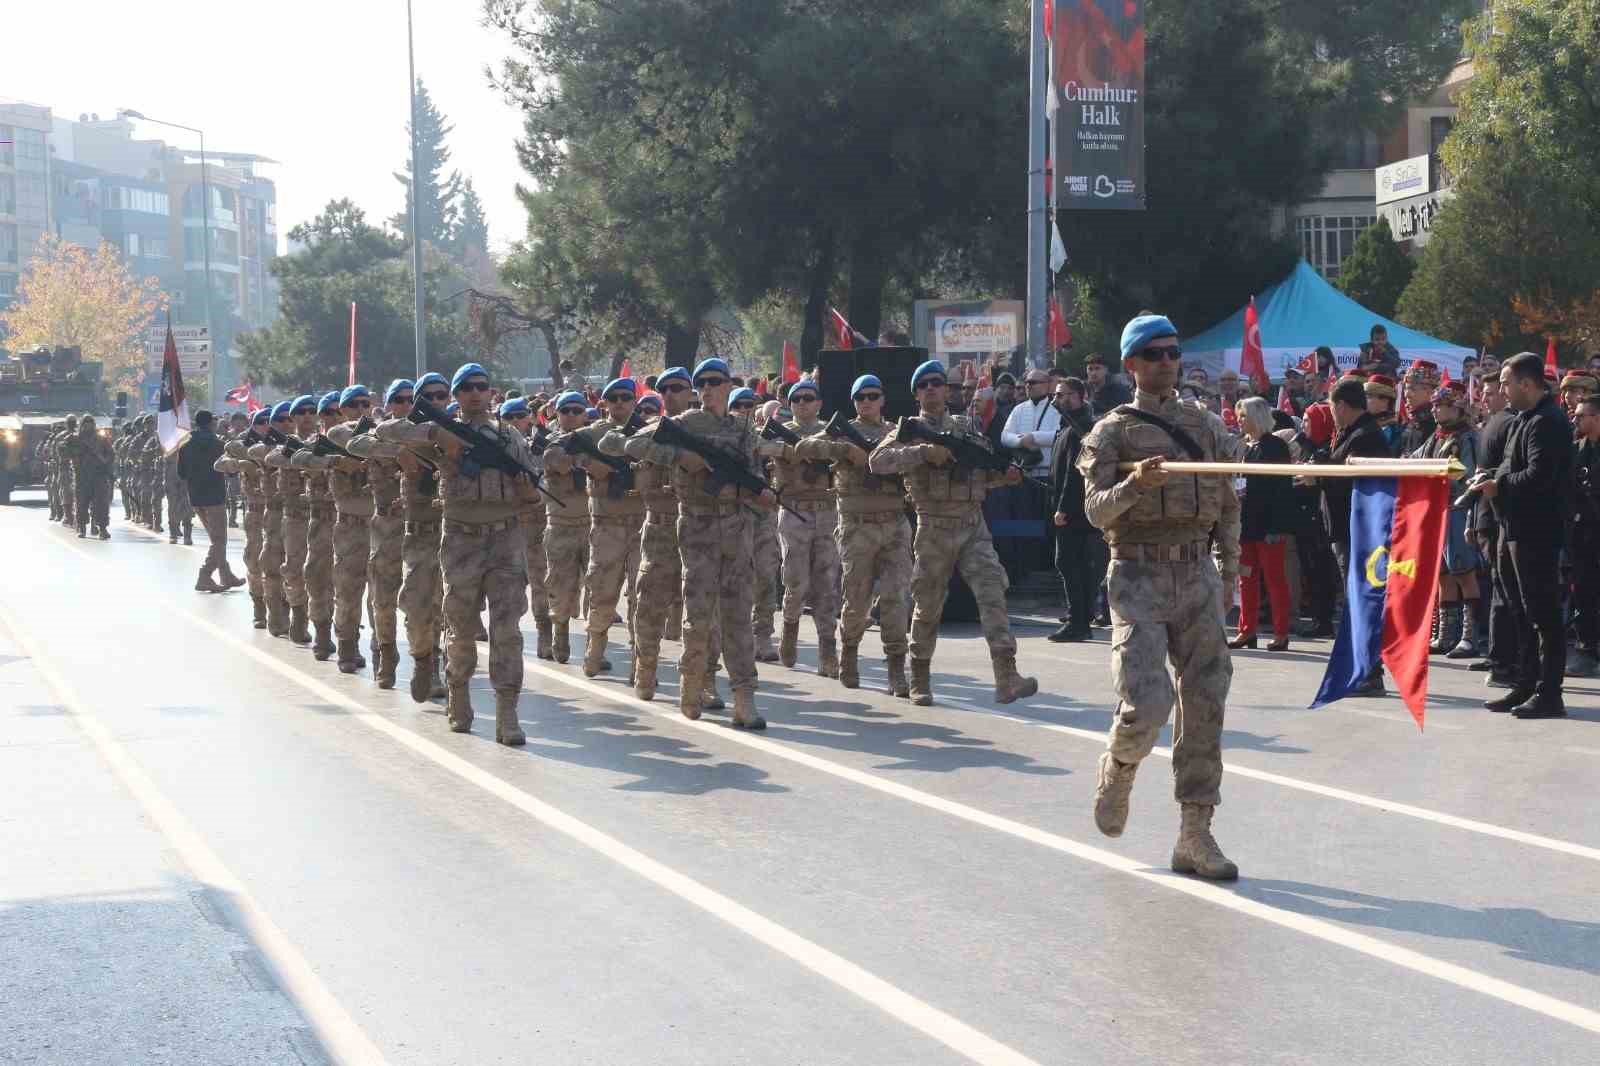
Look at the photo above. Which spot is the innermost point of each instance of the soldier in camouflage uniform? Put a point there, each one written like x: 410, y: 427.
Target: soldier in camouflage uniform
x: 1166, y: 592
x: 874, y: 538
x: 768, y: 557
x: 238, y: 425
x: 616, y: 515
x: 535, y: 521
x: 236, y: 461
x: 482, y: 553
x: 951, y: 535
x: 296, y: 517
x: 180, y: 514
x: 715, y: 541
x: 153, y: 476
x: 352, y: 533
x: 318, y: 572
x: 386, y: 545
x: 86, y: 460
x: 566, y: 543
x: 274, y: 481
x: 61, y: 466
x: 810, y: 552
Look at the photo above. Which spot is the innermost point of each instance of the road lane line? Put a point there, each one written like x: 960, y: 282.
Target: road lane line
x: 927, y: 1019
x: 339, y: 1033
x: 1328, y: 932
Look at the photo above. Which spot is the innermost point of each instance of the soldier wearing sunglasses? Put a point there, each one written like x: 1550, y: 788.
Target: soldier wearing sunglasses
x: 810, y: 553
x: 319, y: 531
x: 566, y: 545
x: 270, y: 564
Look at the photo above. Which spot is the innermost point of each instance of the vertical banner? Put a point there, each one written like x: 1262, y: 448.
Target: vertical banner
x: 1098, y: 98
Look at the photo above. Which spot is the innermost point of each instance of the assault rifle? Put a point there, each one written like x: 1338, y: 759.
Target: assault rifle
x: 279, y: 439
x: 482, y: 453
x: 777, y: 431
x: 966, y: 451
x: 726, y: 467
x: 322, y: 445
x: 839, y: 428
x: 540, y: 441
x: 621, y: 479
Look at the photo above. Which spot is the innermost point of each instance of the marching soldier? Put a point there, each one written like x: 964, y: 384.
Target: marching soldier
x: 566, y: 545
x: 352, y: 533
x: 386, y: 546
x: 153, y: 476
x: 874, y: 537
x: 1166, y: 592
x: 318, y: 573
x: 273, y: 554
x: 86, y: 462
x: 236, y: 461
x: 616, y: 513
x: 535, y: 521
x: 768, y: 557
x: 950, y: 535
x: 810, y: 552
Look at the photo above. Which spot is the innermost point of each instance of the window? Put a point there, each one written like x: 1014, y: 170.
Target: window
x: 155, y: 247
x: 8, y: 153
x: 8, y: 284
x: 8, y: 243
x: 33, y: 199
x: 1439, y: 128
x: 30, y: 147
x: 8, y: 194
x: 131, y: 244
x: 1358, y: 151
x: 146, y: 200
x: 1327, y: 240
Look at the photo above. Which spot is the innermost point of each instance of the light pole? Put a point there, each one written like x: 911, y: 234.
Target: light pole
x: 1038, y: 197
x: 205, y: 217
x: 419, y: 324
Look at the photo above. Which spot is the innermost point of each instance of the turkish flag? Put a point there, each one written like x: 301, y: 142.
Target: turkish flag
x: 626, y: 371
x: 1416, y: 542
x: 1550, y: 364
x: 1057, y: 334
x: 1252, y: 361
x: 791, y: 358
x: 1285, y: 402
x: 844, y: 336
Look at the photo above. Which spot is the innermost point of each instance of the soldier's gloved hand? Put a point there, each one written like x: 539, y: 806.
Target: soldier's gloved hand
x: 448, y: 443
x: 692, y: 462
x: 854, y: 455
x: 1149, y: 474
x: 937, y: 454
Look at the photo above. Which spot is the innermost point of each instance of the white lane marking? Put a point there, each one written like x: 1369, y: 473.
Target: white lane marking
x: 338, y: 1032
x: 945, y: 1028
x: 1406, y: 958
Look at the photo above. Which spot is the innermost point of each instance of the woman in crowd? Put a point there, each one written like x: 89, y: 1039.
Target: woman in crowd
x: 1454, y: 438
x: 1266, y: 520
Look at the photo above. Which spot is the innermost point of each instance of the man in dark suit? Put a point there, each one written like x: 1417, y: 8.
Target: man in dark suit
x: 1500, y: 657
x: 1081, y: 555
x: 1532, y: 489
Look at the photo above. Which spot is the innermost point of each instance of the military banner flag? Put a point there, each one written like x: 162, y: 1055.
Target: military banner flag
x: 172, y: 410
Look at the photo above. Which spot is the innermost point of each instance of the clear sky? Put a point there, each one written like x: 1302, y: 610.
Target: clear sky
x: 318, y: 86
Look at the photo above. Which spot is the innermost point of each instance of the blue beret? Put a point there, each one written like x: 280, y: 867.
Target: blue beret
x: 865, y: 381
x: 395, y: 386
x: 263, y: 415
x: 451, y: 408
x: 281, y: 410
x: 592, y: 412
x: 354, y: 392
x: 620, y: 385
x: 432, y: 377
x: 570, y: 397
x: 465, y: 371
x: 681, y: 373
x: 1144, y: 329
x: 328, y: 402
x: 741, y: 394
x: 708, y: 366
x: 804, y: 385
x: 650, y: 400
x: 514, y: 408
x: 932, y: 366
x: 300, y: 403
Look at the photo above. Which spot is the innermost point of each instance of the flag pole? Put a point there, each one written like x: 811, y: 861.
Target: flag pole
x: 1441, y: 468
x: 352, y: 380
x: 1038, y: 60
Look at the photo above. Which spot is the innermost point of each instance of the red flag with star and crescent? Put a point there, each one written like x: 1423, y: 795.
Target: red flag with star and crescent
x: 1252, y: 360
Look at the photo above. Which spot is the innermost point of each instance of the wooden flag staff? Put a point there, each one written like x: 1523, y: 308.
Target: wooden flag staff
x: 1445, y: 468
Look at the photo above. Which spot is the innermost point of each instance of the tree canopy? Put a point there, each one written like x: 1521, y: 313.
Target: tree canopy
x: 1377, y: 271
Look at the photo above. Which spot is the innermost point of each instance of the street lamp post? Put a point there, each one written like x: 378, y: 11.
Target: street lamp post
x: 205, y: 217
x: 419, y: 324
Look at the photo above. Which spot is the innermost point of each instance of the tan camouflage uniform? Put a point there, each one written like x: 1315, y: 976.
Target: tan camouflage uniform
x: 235, y: 461
x: 660, y: 567
x: 768, y: 558
x: 271, y: 562
x: 616, y: 514
x: 318, y: 572
x: 385, y: 554
x: 810, y: 550
x: 566, y: 543
x: 180, y: 514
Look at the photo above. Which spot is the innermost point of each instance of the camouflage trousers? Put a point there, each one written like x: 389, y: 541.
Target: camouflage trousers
x: 535, y: 523
x: 613, y: 567
x: 768, y: 561
x: 422, y: 589
x: 875, y: 549
x: 487, y: 563
x: 811, y: 568
x: 214, y: 517
x: 385, y: 574
x: 942, y: 546
x: 153, y: 493
x: 296, y: 523
x: 352, y: 545
x: 660, y: 582
x: 566, y: 549
x: 179, y: 510
x: 253, y: 511
x: 93, y: 502
x: 716, y: 552
x: 1162, y: 611
x: 270, y: 563
x: 318, y: 573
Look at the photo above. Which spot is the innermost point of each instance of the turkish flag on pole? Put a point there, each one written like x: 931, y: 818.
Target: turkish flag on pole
x: 791, y: 358
x: 843, y: 334
x: 1550, y: 364
x: 172, y: 414
x: 1285, y: 403
x: 626, y: 370
x: 1421, y: 507
x: 352, y: 380
x: 1057, y: 334
x: 1252, y: 361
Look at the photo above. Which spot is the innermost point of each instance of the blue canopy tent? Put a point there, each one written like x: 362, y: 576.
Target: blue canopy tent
x: 1302, y: 312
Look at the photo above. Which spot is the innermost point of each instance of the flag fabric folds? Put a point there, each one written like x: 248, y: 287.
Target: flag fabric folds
x: 1057, y: 333
x: 172, y: 413
x: 1551, y: 365
x: 1397, y: 529
x: 791, y: 359
x: 843, y: 335
x: 1252, y: 360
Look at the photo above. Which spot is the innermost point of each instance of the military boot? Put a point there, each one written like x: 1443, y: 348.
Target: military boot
x: 898, y: 686
x: 258, y: 608
x: 188, y: 534
x: 690, y: 691
x: 82, y: 533
x: 1446, y: 633
x: 710, y: 698
x: 542, y: 624
x: 562, y: 640
x: 203, y: 583
x: 436, y: 687
x: 765, y: 652
x: 850, y: 666
x: 421, y: 677
x: 744, y: 711
x: 230, y: 580
x: 388, y: 659
x: 1467, y: 646
x: 507, y: 729
x: 1196, y: 851
x: 921, y: 689
x: 827, y: 655
x: 105, y: 534
x: 1113, y: 786
x: 349, y: 657
x: 323, y: 646
x: 297, y: 624
x: 278, y: 616
x: 644, y: 678
x: 594, y: 656
x: 1008, y: 684
x: 458, y: 709
x: 786, y: 646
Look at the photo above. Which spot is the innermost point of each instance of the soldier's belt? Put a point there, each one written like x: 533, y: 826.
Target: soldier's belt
x: 618, y: 519
x: 710, y: 510
x: 254, y: 507
x: 811, y: 506
x: 872, y: 517
x: 662, y: 518
x: 1192, y: 552
x: 561, y: 519
x: 422, y: 529
x: 296, y: 510
x: 384, y: 510
x: 478, y: 529
x: 322, y: 508
x: 944, y: 521
x: 351, y: 518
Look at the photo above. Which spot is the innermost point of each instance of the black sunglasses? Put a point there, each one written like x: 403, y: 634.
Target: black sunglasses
x: 357, y: 403
x: 1156, y: 355
x: 574, y: 410
x: 929, y: 383
x: 401, y: 399
x: 711, y: 383
x: 434, y: 396
x: 474, y: 386
x: 672, y: 387
x: 869, y: 396
x: 620, y: 397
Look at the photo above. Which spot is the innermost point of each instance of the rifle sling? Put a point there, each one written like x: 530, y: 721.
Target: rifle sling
x: 1183, y: 440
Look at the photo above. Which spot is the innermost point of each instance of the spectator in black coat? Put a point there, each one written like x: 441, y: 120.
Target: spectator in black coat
x: 1533, y: 490
x: 1081, y: 555
x: 1266, y: 521
x: 208, y: 492
x: 1358, y: 436
x: 1500, y: 658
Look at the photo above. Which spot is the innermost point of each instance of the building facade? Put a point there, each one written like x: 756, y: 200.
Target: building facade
x: 24, y: 189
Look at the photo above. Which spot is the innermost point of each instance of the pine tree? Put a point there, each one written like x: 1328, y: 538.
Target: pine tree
x: 1377, y: 271
x: 472, y: 225
x: 437, y: 208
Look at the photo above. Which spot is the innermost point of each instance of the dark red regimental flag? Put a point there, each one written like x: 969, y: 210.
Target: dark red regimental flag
x: 1252, y: 360
x: 1416, y: 544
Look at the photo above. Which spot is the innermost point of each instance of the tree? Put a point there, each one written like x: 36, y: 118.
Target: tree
x: 437, y: 207
x: 471, y: 233
x: 348, y: 259
x: 1377, y: 271
x: 73, y: 298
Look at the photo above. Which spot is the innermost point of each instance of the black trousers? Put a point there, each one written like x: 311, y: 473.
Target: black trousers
x: 1502, y: 625
x: 1320, y: 572
x: 1584, y: 555
x: 1081, y: 560
x: 1529, y: 572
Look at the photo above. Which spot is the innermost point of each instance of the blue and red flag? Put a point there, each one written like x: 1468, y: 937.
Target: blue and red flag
x: 1397, y: 529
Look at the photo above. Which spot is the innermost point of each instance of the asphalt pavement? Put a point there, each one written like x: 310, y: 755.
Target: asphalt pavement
x: 218, y: 850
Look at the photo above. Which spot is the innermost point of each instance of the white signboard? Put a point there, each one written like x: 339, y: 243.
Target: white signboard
x: 193, y: 344
x: 974, y: 333
x: 1407, y: 178
x: 1412, y: 219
